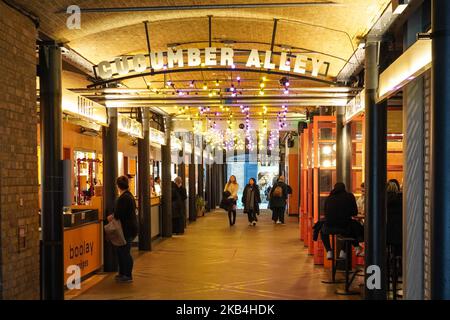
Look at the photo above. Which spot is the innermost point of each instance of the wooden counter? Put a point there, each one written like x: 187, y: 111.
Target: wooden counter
x: 83, y: 246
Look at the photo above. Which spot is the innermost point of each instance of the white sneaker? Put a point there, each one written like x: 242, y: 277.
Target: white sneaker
x: 278, y: 222
x: 249, y: 223
x: 329, y: 255
x: 342, y: 254
x: 359, y: 251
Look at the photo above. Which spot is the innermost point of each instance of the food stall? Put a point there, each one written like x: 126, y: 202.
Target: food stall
x: 82, y: 125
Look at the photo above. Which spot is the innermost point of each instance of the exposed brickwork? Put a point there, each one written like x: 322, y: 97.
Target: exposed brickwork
x: 19, y: 268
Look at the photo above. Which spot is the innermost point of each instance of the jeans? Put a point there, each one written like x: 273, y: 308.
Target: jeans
x: 125, y: 259
x: 353, y: 230
x: 232, y: 213
x: 251, y: 216
x: 278, y: 214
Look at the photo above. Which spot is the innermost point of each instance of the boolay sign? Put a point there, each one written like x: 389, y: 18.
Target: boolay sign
x: 209, y: 57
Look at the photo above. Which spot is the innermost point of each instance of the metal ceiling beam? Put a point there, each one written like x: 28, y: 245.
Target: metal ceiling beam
x: 209, y: 69
x: 207, y: 7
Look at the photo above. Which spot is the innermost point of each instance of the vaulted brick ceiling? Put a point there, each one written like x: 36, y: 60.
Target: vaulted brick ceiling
x: 107, y: 35
x: 330, y: 32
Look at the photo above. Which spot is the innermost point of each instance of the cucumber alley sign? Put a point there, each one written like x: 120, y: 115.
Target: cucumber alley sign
x: 211, y: 57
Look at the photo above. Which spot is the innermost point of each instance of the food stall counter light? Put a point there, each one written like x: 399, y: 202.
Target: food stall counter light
x: 326, y: 150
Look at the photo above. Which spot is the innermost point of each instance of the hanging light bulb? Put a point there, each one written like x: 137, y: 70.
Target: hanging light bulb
x: 262, y: 84
x: 232, y: 88
x: 286, y: 91
x: 261, y: 92
x: 205, y: 86
x: 192, y: 84
x: 217, y: 83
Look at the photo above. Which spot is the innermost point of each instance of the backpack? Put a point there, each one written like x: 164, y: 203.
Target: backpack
x: 278, y: 192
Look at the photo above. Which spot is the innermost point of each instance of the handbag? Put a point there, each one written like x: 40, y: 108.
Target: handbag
x: 114, y: 233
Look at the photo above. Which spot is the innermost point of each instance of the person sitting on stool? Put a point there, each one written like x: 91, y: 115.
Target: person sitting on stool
x: 340, y: 207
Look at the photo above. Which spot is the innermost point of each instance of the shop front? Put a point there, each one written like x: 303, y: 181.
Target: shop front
x: 83, y: 172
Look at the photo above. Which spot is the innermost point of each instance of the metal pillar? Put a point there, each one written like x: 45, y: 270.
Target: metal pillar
x: 52, y: 258
x: 145, y: 237
x: 192, y: 180
x: 343, y: 149
x: 166, y: 182
x: 110, y: 173
x: 440, y: 220
x: 375, y: 177
x: 208, y: 188
x: 201, y: 173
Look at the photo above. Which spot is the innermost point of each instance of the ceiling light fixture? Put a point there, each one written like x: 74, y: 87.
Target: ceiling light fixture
x: 398, y: 6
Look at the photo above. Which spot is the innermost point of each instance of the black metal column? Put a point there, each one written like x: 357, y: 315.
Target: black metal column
x: 208, y: 187
x: 343, y: 149
x: 375, y: 176
x: 440, y: 232
x: 166, y: 182
x: 201, y: 172
x: 52, y: 259
x: 110, y: 173
x: 192, y: 180
x: 145, y: 237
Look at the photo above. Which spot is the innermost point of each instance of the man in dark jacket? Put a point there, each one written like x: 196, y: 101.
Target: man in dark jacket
x: 125, y: 212
x: 340, y: 207
x: 278, y: 200
x: 179, y: 196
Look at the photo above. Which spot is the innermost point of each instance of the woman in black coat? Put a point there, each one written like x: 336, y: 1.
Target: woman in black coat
x: 179, y: 196
x: 251, y: 199
x: 394, y: 223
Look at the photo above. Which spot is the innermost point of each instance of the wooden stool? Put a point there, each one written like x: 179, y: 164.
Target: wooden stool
x: 348, y: 267
x: 333, y: 263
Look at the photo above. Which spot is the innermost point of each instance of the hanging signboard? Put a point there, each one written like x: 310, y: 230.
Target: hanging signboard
x: 175, y: 143
x: 85, y: 109
x: 355, y: 106
x: 157, y: 137
x: 300, y: 64
x: 130, y: 126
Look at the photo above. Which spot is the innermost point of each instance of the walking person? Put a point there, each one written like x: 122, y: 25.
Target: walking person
x: 125, y: 212
x: 251, y: 199
x: 179, y: 196
x: 278, y: 200
x: 232, y: 187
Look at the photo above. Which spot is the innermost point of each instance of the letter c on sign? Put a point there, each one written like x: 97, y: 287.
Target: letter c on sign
x: 105, y: 70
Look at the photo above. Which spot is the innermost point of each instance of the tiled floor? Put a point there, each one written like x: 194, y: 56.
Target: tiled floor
x: 215, y: 261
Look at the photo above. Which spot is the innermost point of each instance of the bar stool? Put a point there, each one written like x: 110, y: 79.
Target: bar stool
x: 393, y: 262
x: 333, y: 263
x: 348, y: 267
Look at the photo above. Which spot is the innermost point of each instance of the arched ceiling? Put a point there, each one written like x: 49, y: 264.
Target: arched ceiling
x: 329, y: 32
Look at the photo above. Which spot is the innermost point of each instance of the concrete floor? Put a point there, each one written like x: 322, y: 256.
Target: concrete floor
x: 215, y: 261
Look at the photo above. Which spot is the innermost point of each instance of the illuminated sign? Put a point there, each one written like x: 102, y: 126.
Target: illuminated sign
x: 130, y: 126
x: 355, y: 106
x: 175, y: 143
x: 157, y: 137
x: 83, y: 108
x: 211, y: 57
x: 411, y: 64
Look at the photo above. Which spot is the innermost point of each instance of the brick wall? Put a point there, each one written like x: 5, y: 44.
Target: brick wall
x: 19, y: 266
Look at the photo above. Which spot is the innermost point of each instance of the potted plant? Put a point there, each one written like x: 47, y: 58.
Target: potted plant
x: 200, y: 205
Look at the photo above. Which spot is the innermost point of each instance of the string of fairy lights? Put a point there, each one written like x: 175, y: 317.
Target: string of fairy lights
x: 251, y: 134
